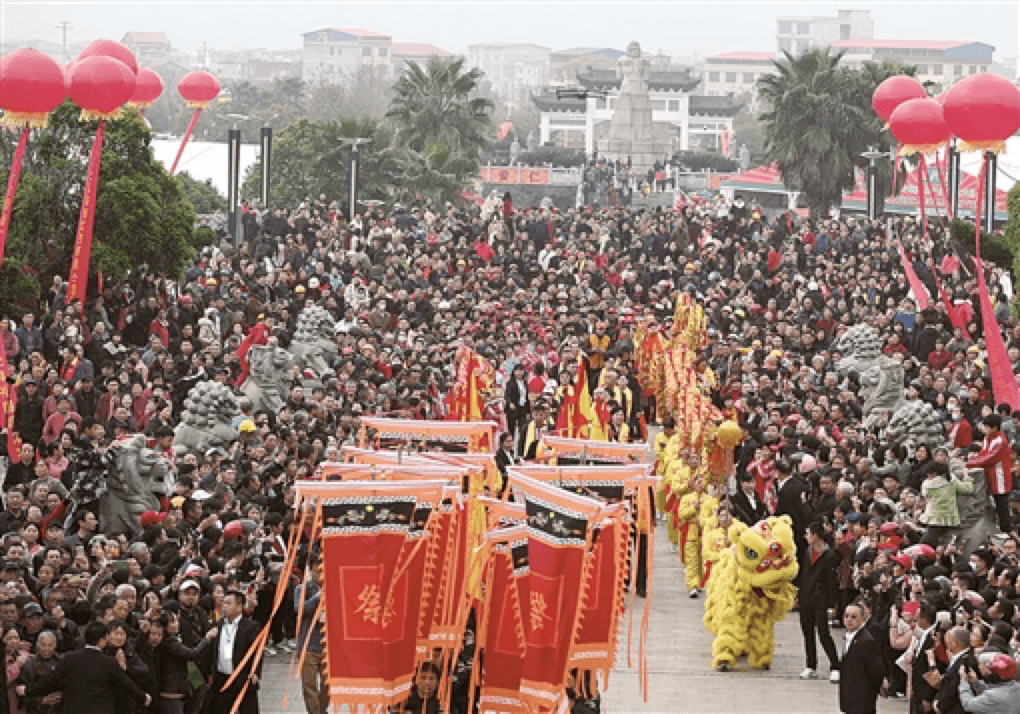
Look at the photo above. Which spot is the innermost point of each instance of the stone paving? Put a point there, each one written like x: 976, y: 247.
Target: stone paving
x: 680, y: 680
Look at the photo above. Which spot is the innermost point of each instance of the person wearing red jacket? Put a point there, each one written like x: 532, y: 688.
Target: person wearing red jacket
x: 961, y: 433
x: 996, y: 458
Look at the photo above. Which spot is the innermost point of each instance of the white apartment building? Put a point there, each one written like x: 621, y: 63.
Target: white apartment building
x: 942, y: 62
x: 513, y: 69
x: 736, y: 73
x: 796, y: 34
x: 331, y: 55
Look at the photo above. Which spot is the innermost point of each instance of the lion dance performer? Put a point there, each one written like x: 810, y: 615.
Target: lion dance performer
x: 750, y: 589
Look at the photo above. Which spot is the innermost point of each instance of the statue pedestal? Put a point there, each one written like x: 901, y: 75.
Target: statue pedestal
x: 643, y: 153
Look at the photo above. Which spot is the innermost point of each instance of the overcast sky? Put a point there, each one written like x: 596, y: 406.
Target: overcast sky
x: 678, y: 28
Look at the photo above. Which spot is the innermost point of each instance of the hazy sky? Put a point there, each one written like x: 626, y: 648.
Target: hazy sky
x: 678, y: 28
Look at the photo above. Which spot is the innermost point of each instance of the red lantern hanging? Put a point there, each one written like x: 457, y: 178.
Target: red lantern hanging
x: 199, y: 89
x: 894, y: 91
x: 983, y: 110
x: 110, y: 48
x: 919, y: 126
x: 32, y: 85
x: 101, y: 85
x: 148, y: 88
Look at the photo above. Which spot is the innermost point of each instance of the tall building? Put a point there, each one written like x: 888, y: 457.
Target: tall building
x: 941, y: 62
x: 796, y: 34
x: 737, y: 74
x: 513, y: 69
x: 149, y: 47
x: 331, y: 55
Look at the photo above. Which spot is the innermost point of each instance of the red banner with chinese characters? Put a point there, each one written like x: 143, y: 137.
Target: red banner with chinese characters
x: 12, y: 189
x: 78, y: 280
x: 501, y: 634
x: 8, y: 403
x: 559, y: 534
x: 368, y: 568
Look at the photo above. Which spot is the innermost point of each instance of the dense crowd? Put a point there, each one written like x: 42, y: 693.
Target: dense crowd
x: 529, y: 290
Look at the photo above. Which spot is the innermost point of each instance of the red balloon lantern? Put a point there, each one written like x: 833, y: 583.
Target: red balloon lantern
x: 110, y: 48
x: 32, y: 85
x: 918, y: 124
x: 983, y: 110
x: 893, y: 92
x: 101, y: 85
x: 199, y: 89
x: 148, y: 88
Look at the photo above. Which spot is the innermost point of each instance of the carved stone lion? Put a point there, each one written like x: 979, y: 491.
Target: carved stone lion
x: 916, y: 423
x: 881, y: 377
x: 314, y: 343
x: 206, y: 422
x: 138, y: 476
x: 266, y: 385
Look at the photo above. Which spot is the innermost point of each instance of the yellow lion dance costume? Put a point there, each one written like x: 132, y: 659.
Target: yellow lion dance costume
x: 750, y: 589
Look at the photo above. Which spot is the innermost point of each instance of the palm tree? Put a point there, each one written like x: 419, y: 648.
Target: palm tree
x: 818, y: 122
x: 441, y: 122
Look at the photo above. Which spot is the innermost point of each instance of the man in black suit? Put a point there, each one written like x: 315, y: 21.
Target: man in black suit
x: 515, y: 401
x: 922, y: 654
x: 948, y: 696
x: 790, y: 501
x: 235, y: 639
x: 818, y: 586
x: 504, y: 457
x: 861, y: 671
x: 89, y: 678
x: 747, y: 507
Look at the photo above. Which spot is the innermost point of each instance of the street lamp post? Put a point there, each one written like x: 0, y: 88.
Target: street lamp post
x: 355, y: 167
x: 872, y: 155
x: 234, y: 177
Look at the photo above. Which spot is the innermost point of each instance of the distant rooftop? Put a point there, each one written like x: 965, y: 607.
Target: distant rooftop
x: 678, y: 80
x: 504, y: 45
x: 417, y: 49
x: 744, y: 56
x: 608, y: 52
x: 869, y: 43
x: 145, y: 38
x: 347, y: 34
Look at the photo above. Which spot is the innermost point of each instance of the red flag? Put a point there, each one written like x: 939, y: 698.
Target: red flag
x: 78, y: 280
x: 916, y: 286
x: 12, y: 189
x: 503, y: 621
x: 504, y: 129
x: 956, y: 316
x: 1004, y: 384
x: 258, y: 335
x: 484, y: 251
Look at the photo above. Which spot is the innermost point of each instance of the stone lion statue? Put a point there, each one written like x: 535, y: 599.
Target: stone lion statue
x: 916, y: 423
x: 206, y: 422
x: 314, y: 344
x: 881, y: 377
x: 749, y: 590
x: 136, y: 479
x: 266, y: 385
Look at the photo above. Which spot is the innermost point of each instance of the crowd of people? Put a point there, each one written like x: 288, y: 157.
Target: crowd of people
x: 175, y: 605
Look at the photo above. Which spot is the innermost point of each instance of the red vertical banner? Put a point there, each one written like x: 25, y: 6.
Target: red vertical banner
x: 501, y: 634
x: 8, y: 403
x: 594, y: 647
x: 78, y: 280
x: 12, y: 190
x: 559, y: 535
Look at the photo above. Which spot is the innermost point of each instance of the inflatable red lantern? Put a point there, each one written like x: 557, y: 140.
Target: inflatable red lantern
x: 894, y: 91
x: 983, y: 110
x: 198, y: 89
x: 32, y: 85
x: 101, y: 85
x: 110, y: 48
x: 148, y: 88
x: 919, y: 126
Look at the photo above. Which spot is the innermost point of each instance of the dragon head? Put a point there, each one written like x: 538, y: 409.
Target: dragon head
x: 766, y: 555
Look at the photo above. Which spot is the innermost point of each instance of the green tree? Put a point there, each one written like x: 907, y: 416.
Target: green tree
x: 818, y: 120
x: 310, y: 158
x: 203, y: 195
x: 143, y: 217
x: 442, y: 124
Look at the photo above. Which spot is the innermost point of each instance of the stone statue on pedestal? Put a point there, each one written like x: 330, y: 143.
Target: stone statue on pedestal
x: 631, y: 137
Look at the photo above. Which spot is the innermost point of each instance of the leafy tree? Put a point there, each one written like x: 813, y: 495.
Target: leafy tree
x: 442, y: 125
x: 203, y: 195
x: 819, y: 120
x: 143, y: 217
x: 309, y: 159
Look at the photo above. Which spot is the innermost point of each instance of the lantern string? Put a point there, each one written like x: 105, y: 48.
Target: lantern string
x: 184, y: 140
x: 12, y: 189
x: 943, y: 169
x: 920, y: 194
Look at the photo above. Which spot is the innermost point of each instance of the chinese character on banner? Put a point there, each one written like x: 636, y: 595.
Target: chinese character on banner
x: 368, y: 604
x: 539, y: 611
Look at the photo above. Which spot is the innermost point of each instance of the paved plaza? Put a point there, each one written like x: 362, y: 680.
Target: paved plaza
x: 680, y: 679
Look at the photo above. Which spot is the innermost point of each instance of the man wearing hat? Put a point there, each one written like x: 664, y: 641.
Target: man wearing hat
x: 998, y: 693
x: 996, y: 458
